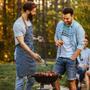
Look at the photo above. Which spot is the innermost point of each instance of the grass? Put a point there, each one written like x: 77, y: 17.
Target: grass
x: 7, y: 76
x: 8, y: 73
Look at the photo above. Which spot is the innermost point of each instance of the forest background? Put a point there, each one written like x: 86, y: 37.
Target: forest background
x: 48, y: 14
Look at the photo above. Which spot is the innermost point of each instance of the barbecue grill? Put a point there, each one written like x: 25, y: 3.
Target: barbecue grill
x: 43, y: 78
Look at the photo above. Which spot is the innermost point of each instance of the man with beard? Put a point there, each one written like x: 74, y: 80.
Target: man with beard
x: 69, y: 38
x: 25, y: 56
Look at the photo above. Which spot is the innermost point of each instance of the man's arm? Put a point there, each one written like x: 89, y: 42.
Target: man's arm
x: 57, y: 37
x: 80, y: 40
x: 76, y: 54
x: 27, y: 49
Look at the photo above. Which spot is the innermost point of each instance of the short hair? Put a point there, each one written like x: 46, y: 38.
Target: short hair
x: 29, y: 6
x: 86, y: 36
x: 67, y: 10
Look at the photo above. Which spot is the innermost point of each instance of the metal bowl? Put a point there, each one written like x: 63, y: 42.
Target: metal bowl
x: 45, y: 77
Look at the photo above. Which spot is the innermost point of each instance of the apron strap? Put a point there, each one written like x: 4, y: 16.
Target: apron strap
x: 26, y: 27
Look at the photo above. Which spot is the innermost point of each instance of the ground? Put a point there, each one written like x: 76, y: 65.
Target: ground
x: 48, y: 87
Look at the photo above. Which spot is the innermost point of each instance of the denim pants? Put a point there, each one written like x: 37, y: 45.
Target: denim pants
x: 20, y: 82
x: 81, y: 71
x: 67, y: 65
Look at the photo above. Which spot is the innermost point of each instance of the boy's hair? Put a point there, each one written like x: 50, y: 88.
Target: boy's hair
x: 86, y: 37
x: 67, y: 10
x: 29, y: 6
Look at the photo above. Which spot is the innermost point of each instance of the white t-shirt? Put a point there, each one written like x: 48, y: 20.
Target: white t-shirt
x: 66, y: 48
x: 19, y: 28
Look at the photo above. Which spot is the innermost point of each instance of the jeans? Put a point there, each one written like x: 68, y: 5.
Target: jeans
x: 81, y: 71
x: 66, y: 65
x: 20, y: 82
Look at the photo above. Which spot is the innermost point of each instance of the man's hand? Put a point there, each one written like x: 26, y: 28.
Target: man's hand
x: 76, y: 54
x: 58, y: 43
x: 37, y: 57
x: 73, y: 57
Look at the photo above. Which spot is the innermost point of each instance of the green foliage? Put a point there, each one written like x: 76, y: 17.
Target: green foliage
x: 64, y: 81
x: 44, y: 68
x: 44, y: 25
x: 82, y: 15
x: 7, y: 41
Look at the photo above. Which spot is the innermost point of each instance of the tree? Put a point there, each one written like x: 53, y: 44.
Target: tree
x: 48, y: 14
x: 19, y: 8
x: 82, y: 12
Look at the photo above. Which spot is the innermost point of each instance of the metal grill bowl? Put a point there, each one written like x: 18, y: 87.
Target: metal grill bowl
x: 45, y: 77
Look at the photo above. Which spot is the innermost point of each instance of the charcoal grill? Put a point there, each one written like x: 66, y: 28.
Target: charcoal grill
x: 45, y: 78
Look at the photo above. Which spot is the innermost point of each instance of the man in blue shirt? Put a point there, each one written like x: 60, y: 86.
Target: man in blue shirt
x: 69, y: 38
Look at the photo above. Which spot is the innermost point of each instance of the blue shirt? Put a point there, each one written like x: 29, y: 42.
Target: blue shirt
x: 73, y: 34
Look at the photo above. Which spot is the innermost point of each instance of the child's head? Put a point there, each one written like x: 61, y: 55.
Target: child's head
x: 86, y: 41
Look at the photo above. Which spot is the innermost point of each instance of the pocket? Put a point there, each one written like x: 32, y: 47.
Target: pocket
x: 72, y: 61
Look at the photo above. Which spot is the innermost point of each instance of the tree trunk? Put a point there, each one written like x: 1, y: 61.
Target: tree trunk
x: 4, y: 20
x: 19, y: 8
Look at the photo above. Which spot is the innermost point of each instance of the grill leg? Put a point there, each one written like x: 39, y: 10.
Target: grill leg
x: 53, y: 85
x: 41, y: 86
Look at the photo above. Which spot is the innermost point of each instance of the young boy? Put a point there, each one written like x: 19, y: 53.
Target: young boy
x: 83, y: 61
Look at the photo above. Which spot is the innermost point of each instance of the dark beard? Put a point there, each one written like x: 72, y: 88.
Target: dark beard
x: 30, y: 17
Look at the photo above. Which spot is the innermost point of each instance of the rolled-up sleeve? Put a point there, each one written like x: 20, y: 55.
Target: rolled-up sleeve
x: 58, y: 31
x: 80, y: 37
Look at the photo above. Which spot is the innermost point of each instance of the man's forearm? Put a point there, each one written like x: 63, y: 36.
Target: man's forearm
x: 27, y: 49
x: 76, y: 54
x: 24, y: 46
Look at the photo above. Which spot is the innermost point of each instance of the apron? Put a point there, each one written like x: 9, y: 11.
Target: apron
x: 25, y: 65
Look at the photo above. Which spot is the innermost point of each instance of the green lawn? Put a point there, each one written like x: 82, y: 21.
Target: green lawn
x: 7, y: 75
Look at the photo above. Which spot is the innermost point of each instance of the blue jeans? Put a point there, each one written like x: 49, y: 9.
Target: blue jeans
x: 65, y: 65
x: 81, y: 71
x: 21, y: 81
